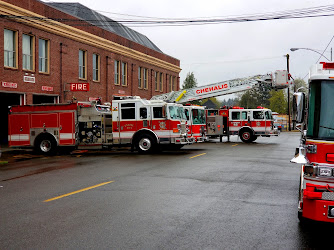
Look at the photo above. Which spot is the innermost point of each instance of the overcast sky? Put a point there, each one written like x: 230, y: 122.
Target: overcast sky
x: 220, y: 52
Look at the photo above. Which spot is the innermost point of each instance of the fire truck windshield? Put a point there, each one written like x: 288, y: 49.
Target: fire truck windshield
x: 321, y: 114
x: 176, y: 113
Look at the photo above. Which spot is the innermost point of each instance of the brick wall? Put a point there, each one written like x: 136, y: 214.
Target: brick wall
x: 64, y: 62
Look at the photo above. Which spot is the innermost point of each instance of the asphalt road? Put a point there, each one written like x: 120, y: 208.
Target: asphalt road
x: 228, y: 195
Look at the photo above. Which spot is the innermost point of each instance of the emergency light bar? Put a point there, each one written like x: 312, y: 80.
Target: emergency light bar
x: 327, y: 65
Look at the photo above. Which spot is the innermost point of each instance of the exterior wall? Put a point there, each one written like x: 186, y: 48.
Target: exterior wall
x: 64, y: 43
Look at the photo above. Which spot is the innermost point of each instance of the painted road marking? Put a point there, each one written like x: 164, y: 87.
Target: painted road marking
x: 78, y: 191
x: 197, y: 155
x: 234, y: 145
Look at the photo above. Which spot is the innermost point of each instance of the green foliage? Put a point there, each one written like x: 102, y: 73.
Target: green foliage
x: 190, y: 81
x: 301, y: 85
x: 278, y: 102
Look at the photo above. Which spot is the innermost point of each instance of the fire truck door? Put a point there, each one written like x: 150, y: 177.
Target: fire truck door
x: 66, y: 128
x: 19, y: 131
x: 145, y: 117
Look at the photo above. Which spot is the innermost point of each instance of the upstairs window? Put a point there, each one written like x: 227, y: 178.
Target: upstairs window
x: 10, y: 48
x: 43, y: 55
x: 117, y: 70
x: 96, y: 67
x: 82, y: 64
x: 124, y: 74
x: 27, y: 52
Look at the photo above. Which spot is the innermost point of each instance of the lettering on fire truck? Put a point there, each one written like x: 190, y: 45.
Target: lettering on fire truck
x: 212, y: 89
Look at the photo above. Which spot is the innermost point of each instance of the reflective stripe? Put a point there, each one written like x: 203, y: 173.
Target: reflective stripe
x: 22, y: 137
x: 65, y: 136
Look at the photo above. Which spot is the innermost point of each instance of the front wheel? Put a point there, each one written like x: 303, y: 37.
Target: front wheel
x: 246, y: 135
x: 146, y: 144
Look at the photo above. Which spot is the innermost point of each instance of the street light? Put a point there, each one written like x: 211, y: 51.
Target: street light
x: 294, y: 49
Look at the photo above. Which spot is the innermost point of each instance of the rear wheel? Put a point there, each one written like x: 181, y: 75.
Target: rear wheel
x: 45, y: 145
x: 146, y: 144
x: 246, y: 135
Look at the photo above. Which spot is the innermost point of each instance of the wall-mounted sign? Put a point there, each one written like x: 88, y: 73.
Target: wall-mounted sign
x: 79, y: 86
x: 29, y: 79
x: 47, y: 88
x: 122, y: 92
x: 12, y: 85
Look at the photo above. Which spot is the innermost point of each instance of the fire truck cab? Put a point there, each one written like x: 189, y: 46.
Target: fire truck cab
x: 196, y: 121
x: 248, y: 124
x: 129, y: 121
x: 316, y: 150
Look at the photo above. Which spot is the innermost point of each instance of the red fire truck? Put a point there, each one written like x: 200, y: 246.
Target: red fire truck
x: 196, y: 121
x: 142, y: 124
x: 247, y: 123
x: 316, y: 150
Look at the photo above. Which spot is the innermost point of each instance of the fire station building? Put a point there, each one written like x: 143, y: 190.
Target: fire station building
x: 55, y: 52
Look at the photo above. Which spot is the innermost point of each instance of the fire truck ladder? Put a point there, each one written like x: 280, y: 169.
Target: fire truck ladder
x: 215, y: 89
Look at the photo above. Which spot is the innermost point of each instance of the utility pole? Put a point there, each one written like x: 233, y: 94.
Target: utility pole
x: 288, y: 69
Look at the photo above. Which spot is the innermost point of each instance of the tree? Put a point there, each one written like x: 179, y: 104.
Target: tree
x: 278, y: 102
x: 301, y: 85
x: 190, y: 81
x: 248, y: 100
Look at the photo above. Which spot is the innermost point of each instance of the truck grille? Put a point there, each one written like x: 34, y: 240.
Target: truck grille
x: 328, y: 196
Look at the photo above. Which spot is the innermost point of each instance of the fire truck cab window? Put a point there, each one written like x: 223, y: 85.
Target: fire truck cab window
x: 268, y: 115
x: 157, y: 112
x: 128, y: 111
x: 235, y: 115
x: 258, y: 115
x: 143, y: 113
x: 244, y: 115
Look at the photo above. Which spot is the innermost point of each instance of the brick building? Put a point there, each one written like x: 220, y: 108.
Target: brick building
x: 53, y: 52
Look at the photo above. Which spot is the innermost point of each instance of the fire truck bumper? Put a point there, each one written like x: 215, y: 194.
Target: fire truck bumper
x: 201, y: 139
x: 317, y: 205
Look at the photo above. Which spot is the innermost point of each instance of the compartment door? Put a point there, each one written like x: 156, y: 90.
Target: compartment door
x: 66, y: 128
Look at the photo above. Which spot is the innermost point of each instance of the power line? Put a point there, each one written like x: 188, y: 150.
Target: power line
x: 321, y: 11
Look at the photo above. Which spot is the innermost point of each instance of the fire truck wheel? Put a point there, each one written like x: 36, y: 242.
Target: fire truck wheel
x: 145, y: 144
x: 246, y: 135
x: 45, y: 145
x: 254, y: 137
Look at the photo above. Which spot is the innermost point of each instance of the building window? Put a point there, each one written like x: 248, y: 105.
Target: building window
x: 10, y: 48
x: 156, y: 80
x: 82, y: 64
x: 96, y: 67
x: 117, y: 72
x: 170, y: 83
x: 43, y: 46
x: 27, y: 51
x: 140, y: 78
x: 145, y: 78
x: 124, y: 74
x: 161, y: 82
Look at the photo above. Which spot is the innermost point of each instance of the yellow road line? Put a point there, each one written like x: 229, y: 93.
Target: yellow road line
x: 197, y: 155
x: 234, y: 145
x: 78, y: 191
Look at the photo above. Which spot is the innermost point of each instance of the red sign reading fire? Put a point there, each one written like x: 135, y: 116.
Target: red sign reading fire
x: 79, y: 86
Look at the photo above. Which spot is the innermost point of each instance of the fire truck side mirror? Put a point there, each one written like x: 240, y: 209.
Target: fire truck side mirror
x: 298, y: 107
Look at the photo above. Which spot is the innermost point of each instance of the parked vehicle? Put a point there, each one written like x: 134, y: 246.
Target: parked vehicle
x: 316, y: 150
x: 128, y: 121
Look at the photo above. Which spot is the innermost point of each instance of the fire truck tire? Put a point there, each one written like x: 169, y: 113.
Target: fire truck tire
x: 254, y: 137
x: 246, y: 135
x: 45, y: 144
x: 145, y: 144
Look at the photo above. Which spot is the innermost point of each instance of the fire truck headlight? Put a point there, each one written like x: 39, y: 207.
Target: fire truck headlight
x: 325, y: 171
x: 331, y: 210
